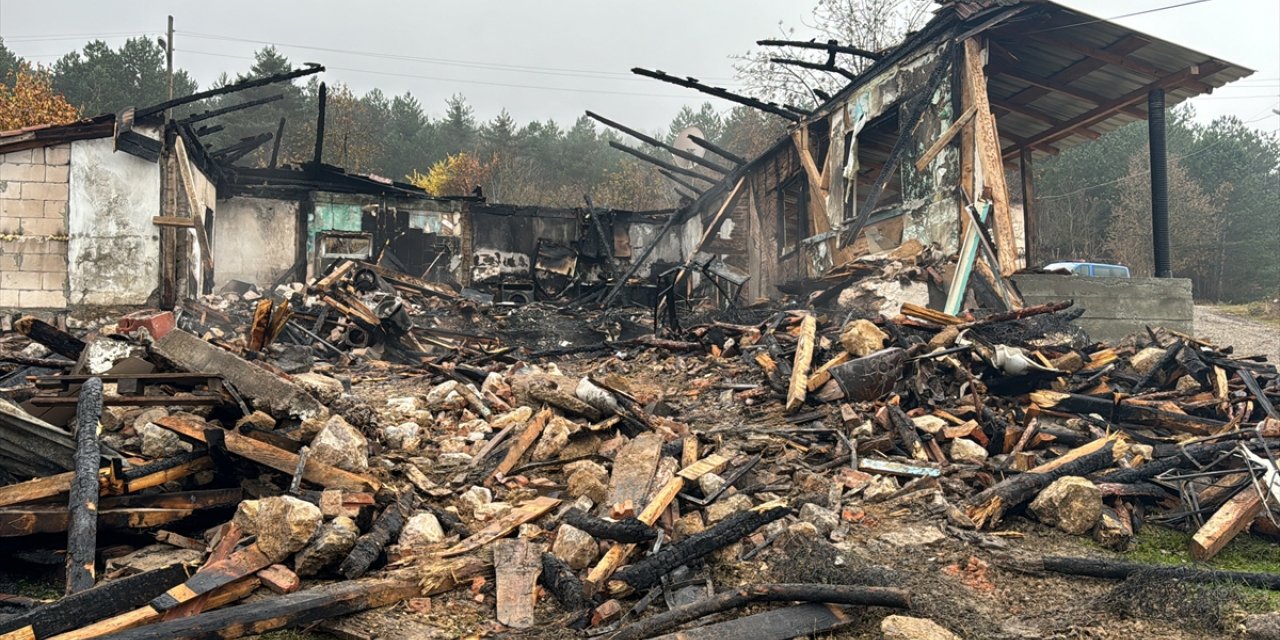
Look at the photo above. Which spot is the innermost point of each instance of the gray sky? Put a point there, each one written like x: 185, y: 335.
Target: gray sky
x: 555, y: 58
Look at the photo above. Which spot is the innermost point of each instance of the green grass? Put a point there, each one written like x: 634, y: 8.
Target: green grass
x: 1255, y: 311
x: 1162, y: 545
x: 39, y: 589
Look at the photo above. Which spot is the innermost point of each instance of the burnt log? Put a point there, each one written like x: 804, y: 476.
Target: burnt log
x: 370, y: 545
x: 1112, y: 569
x: 58, y: 341
x: 628, y: 530
x: 649, y: 571
x: 103, y: 601
x: 563, y: 584
x: 82, y: 503
x: 987, y: 507
x: 837, y: 594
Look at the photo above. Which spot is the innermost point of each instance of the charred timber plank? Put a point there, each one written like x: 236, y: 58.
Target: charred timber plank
x: 563, y: 584
x: 1113, y: 569
x: 241, y: 564
x: 649, y: 571
x: 502, y: 526
x: 989, y: 157
x: 36, y: 489
x: 1228, y: 521
x: 799, y: 386
x: 147, y: 614
x: 106, y: 599
x: 1126, y: 411
x: 776, y: 624
x: 24, y: 521
x: 386, y: 528
x: 835, y: 594
x: 628, y: 530
x: 987, y: 507
x: 516, y: 565
x: 274, y: 457
x: 58, y: 341
x: 289, y: 610
x: 231, y: 534
x: 82, y: 504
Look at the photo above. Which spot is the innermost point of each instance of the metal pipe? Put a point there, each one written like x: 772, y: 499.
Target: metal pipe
x: 1159, y: 183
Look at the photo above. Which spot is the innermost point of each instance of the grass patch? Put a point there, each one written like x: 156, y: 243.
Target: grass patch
x: 1264, y: 312
x: 1162, y: 545
x: 38, y: 589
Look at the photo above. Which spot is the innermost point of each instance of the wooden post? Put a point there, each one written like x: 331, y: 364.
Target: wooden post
x: 82, y: 530
x: 323, y: 98
x: 990, y: 158
x: 1030, y: 232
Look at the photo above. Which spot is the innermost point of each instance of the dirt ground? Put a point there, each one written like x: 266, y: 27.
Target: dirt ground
x: 1248, y: 335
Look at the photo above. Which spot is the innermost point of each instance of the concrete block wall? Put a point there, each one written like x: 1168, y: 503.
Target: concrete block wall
x: 34, y: 191
x: 1116, y: 307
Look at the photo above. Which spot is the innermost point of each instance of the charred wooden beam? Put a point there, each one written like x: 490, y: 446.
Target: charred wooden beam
x: 231, y: 88
x: 676, y: 179
x: 102, y: 601
x: 692, y: 83
x: 661, y: 163
x: 297, y: 608
x: 82, y: 530
x: 718, y: 150
x: 58, y: 341
x: 383, y: 531
x: 652, y: 141
x: 830, y: 46
x: 743, y: 596
x: 1113, y: 569
x: 275, y: 148
x: 987, y: 507
x: 649, y: 571
x: 805, y: 64
x: 627, y: 530
x: 564, y: 584
x: 240, y: 564
x: 321, y: 100
x: 213, y: 113
x: 232, y: 152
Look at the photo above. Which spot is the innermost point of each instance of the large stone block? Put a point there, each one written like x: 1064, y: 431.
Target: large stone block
x: 22, y: 172
x: 1116, y: 307
x: 42, y: 299
x: 10, y: 190
x: 43, y: 227
x: 22, y: 208
x: 46, y: 191
x: 57, y: 155
x: 56, y: 174
x: 20, y: 280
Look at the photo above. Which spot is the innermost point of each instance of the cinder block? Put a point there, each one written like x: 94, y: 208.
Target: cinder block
x: 57, y: 155
x: 8, y: 298
x: 57, y: 173
x: 42, y: 299
x: 46, y: 191
x: 50, y: 281
x: 50, y: 262
x: 20, y: 280
x: 43, y: 227
x: 17, y: 157
x: 22, y: 208
x: 55, y: 208
x: 10, y: 224
x: 8, y: 262
x: 10, y: 190
x: 22, y: 172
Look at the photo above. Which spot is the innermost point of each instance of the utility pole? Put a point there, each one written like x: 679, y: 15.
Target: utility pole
x: 168, y: 55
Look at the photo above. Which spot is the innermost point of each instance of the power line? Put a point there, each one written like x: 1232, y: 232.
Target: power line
x: 470, y: 64
x: 462, y: 81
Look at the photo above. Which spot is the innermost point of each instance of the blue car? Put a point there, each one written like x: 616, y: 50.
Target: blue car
x: 1090, y: 269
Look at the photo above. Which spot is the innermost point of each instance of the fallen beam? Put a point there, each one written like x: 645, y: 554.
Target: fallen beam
x: 82, y: 504
x: 58, y: 341
x: 102, y: 601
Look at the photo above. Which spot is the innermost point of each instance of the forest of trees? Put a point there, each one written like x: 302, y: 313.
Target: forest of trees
x: 1093, y: 200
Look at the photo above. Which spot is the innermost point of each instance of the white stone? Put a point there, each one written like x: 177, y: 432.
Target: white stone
x: 576, y: 547
x: 341, y: 445
x: 966, y: 450
x: 421, y: 530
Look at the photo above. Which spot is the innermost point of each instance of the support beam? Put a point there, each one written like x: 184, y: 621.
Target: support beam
x: 989, y: 158
x: 1102, y: 112
x: 1050, y: 86
x: 1030, y: 224
x: 661, y: 163
x: 652, y: 141
x: 1128, y: 62
x: 1159, y: 183
x: 231, y: 88
x: 82, y: 505
x: 322, y: 99
x: 692, y: 83
x: 718, y: 150
x: 213, y: 113
x: 275, y: 148
x: 1036, y: 114
x: 830, y: 46
x: 676, y: 179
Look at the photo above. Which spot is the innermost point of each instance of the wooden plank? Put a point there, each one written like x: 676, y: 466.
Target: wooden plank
x: 775, y: 624
x: 713, y: 463
x: 503, y: 526
x: 945, y: 139
x: 1229, y: 520
x: 516, y: 564
x: 241, y: 564
x: 226, y: 545
x: 171, y: 221
x: 36, y: 489
x: 25, y: 521
x: 989, y: 154
x: 106, y: 599
x: 274, y: 457
x: 337, y: 273
x: 823, y: 374
x: 523, y: 442
x: 147, y: 614
x: 798, y: 388
x: 633, y: 469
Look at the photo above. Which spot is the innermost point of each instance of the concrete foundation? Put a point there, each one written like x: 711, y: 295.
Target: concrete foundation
x: 1116, y: 307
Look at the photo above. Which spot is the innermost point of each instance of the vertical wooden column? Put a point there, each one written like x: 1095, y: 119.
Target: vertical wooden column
x: 1030, y: 231
x: 991, y: 158
x: 82, y: 504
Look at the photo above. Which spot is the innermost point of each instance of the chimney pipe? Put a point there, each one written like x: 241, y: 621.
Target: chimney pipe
x: 1159, y: 183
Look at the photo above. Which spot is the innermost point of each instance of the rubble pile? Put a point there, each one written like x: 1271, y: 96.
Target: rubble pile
x: 573, y: 492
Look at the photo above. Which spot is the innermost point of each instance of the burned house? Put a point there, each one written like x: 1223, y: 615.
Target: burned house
x: 927, y: 139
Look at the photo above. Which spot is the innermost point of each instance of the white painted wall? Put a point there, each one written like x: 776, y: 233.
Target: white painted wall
x: 113, y: 253
x: 254, y: 239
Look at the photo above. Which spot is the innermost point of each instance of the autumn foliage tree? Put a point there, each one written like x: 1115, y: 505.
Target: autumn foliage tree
x: 27, y: 98
x: 456, y: 175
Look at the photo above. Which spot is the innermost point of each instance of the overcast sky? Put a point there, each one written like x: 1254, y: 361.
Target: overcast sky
x: 555, y: 58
